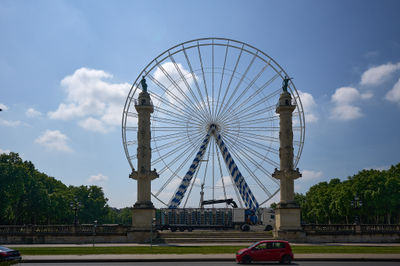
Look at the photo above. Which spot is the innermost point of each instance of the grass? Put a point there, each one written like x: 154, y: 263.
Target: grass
x: 197, y: 250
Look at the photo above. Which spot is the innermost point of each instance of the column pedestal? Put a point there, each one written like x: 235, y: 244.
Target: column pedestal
x: 287, y: 223
x: 142, y: 230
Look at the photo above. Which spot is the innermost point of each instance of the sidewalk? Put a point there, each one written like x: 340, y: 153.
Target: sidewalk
x: 201, y: 257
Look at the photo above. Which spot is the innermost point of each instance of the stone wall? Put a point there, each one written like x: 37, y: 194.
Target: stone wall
x: 62, y: 234
x: 370, y: 233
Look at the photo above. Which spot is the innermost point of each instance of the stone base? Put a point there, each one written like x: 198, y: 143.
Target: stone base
x: 290, y: 235
x: 142, y: 236
x: 142, y: 219
x: 287, y: 217
x: 287, y: 223
x: 142, y: 222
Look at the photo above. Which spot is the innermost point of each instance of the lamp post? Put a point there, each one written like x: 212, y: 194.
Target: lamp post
x: 75, y: 205
x: 94, y: 230
x: 356, y: 204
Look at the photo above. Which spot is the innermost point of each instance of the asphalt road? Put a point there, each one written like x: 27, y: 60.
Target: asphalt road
x: 222, y: 263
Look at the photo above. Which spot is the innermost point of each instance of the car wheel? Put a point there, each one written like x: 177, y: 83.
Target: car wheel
x: 245, y: 227
x: 268, y: 228
x: 246, y: 259
x: 286, y: 259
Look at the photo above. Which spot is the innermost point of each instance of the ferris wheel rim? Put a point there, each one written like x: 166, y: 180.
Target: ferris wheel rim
x: 149, y: 68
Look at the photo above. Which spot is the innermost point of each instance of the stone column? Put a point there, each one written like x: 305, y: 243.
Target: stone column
x: 287, y: 213
x: 143, y: 210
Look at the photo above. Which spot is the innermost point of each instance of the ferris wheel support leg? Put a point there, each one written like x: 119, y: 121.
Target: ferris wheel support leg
x: 180, y: 192
x: 240, y: 183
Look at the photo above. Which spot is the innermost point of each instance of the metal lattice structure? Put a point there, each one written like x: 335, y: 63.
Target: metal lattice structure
x: 214, y: 128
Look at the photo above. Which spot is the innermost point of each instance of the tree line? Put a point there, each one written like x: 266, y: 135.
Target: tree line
x: 368, y: 197
x: 28, y: 196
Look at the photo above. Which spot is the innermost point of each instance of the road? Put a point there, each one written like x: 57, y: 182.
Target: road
x: 222, y: 263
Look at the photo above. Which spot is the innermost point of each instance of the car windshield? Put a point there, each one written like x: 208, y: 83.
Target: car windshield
x: 255, y: 244
x: 4, y: 249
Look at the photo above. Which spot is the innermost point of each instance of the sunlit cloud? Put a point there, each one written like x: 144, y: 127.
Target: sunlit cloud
x: 92, y: 100
x: 346, y: 101
x: 99, y: 178
x: 54, y: 140
x: 378, y: 74
x: 31, y: 112
x: 394, y: 94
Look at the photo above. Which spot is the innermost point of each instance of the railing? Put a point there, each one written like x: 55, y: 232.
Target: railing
x: 62, y: 229
x: 351, y: 228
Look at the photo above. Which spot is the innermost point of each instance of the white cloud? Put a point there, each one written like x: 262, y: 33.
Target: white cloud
x: 8, y: 123
x: 311, y: 175
x: 345, y: 100
x: 92, y: 99
x: 3, y: 107
x: 99, y: 178
x: 93, y: 124
x: 394, y: 94
x: 31, y: 112
x: 54, y: 140
x: 309, y: 107
x: 378, y: 74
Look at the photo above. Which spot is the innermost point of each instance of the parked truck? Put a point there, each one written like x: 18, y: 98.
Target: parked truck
x: 213, y: 218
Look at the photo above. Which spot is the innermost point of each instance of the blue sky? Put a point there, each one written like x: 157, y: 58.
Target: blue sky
x: 344, y: 57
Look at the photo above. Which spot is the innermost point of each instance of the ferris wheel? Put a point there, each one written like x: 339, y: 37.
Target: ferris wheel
x: 214, y: 130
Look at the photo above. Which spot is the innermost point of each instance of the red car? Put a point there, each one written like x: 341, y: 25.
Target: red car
x: 266, y: 250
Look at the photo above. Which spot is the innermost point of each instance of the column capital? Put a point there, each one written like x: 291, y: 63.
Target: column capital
x: 292, y: 174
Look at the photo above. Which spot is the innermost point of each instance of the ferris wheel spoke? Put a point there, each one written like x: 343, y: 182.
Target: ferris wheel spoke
x: 255, y: 121
x: 204, y: 79
x: 190, y: 189
x: 156, y: 138
x: 242, y: 106
x: 249, y: 86
x: 198, y: 105
x: 262, y: 137
x: 244, y: 153
x: 166, y: 128
x: 212, y: 79
x: 169, y: 121
x: 254, y: 113
x: 222, y: 77
x: 273, y: 129
x: 253, y: 153
x: 258, y: 121
x: 184, y: 113
x: 169, y: 153
x: 171, y: 143
x: 239, y: 83
x: 193, y: 75
x: 168, y: 92
x: 250, y: 172
x: 193, y: 107
x: 185, y: 119
x: 245, y: 143
x: 230, y: 80
x: 216, y: 150
x: 174, y: 173
x: 258, y: 144
x: 179, y: 168
x: 206, y: 167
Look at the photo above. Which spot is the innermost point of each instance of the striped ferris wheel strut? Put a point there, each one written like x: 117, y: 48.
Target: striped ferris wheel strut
x: 244, y: 190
